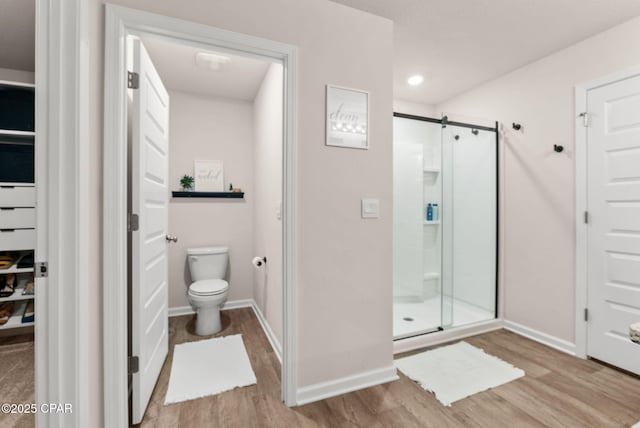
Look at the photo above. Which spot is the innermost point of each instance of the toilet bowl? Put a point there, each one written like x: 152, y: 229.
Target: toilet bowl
x: 209, y: 291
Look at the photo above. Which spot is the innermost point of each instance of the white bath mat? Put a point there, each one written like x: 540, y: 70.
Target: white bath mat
x: 208, y: 367
x: 457, y: 371
x: 636, y: 425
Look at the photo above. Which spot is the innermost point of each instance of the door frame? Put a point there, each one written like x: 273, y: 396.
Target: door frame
x: 119, y: 22
x: 582, y: 228
x: 63, y: 171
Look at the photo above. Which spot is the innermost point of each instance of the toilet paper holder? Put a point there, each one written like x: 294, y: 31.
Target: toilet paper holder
x: 259, y: 261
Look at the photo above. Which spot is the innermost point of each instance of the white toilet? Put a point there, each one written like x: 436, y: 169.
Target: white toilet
x: 207, y: 293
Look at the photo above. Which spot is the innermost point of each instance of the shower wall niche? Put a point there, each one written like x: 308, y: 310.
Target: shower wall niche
x: 445, y: 224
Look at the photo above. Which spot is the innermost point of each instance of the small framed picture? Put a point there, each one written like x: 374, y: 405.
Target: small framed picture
x: 347, y: 118
x: 209, y: 176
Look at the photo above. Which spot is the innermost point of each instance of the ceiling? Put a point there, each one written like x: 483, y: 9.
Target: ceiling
x: 17, y: 34
x: 176, y: 64
x: 459, y: 44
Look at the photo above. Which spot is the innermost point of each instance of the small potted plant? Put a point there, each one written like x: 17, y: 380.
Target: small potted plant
x: 187, y: 183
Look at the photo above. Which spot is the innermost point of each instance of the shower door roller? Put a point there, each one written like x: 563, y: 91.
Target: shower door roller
x: 171, y: 239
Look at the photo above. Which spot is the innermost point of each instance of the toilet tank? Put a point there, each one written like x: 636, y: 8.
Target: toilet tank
x: 208, y: 262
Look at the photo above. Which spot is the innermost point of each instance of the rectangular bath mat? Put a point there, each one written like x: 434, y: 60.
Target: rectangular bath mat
x: 457, y: 371
x: 208, y: 367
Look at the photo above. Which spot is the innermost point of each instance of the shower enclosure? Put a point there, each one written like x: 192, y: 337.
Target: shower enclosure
x: 445, y: 224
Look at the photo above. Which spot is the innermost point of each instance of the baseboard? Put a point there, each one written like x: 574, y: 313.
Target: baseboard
x: 231, y: 304
x: 271, y: 336
x: 237, y: 304
x: 431, y: 339
x: 320, y: 391
x: 544, y: 338
x: 179, y: 311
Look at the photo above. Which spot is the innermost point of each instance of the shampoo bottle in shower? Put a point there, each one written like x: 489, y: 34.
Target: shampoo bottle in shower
x: 429, y: 212
x: 436, y: 212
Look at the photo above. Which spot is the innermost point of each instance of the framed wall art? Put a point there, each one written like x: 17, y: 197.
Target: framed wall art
x: 347, y: 118
x: 209, y: 176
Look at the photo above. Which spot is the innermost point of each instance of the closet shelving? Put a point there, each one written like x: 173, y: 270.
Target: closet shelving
x: 17, y: 198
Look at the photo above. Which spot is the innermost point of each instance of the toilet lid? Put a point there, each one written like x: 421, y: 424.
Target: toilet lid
x: 208, y: 287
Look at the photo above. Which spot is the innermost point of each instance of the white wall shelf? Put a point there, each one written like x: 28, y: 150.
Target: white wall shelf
x: 431, y: 275
x: 431, y: 223
x: 431, y: 170
x: 14, y: 133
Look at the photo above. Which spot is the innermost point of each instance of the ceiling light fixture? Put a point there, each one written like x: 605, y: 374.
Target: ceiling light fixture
x: 415, y: 80
x: 212, y: 61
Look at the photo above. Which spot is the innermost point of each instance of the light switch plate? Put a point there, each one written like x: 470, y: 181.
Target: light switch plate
x: 370, y: 208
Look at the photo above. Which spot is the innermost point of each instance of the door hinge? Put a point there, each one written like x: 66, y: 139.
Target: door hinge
x: 133, y: 80
x: 585, y: 118
x: 41, y: 269
x: 586, y: 217
x: 134, y: 364
x: 133, y: 222
x: 586, y: 314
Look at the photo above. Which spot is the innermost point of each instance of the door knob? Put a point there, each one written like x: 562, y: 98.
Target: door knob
x: 173, y: 239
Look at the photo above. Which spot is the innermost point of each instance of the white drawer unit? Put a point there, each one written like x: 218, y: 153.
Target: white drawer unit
x: 17, y: 196
x: 17, y: 218
x: 17, y: 239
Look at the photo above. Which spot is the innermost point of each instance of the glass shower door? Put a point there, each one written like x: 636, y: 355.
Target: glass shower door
x: 469, y: 225
x: 417, y: 238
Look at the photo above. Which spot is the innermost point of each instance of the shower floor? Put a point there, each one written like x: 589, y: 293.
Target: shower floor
x: 426, y: 316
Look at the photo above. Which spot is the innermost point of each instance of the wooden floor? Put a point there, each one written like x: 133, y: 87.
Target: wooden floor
x: 17, y: 378
x: 557, y: 391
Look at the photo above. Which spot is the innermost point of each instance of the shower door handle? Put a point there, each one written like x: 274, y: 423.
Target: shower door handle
x: 171, y: 239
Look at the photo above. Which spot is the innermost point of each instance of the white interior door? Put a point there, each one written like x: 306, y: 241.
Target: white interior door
x: 149, y: 199
x: 613, y: 146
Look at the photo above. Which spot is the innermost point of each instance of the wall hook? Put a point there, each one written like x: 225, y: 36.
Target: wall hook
x: 516, y: 126
x: 558, y: 149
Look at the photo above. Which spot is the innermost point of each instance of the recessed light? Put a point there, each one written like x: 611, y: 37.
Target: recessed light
x: 415, y: 80
x: 212, y: 61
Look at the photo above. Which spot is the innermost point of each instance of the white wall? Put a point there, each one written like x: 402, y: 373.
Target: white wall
x: 539, y: 189
x: 205, y: 128
x: 345, y: 269
x: 267, y: 169
x: 17, y: 75
x: 416, y: 109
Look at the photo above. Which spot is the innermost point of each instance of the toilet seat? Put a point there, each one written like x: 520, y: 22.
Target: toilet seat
x: 208, y: 287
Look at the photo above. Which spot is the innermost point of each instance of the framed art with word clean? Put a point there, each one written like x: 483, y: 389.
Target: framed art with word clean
x: 347, y: 118
x: 209, y: 176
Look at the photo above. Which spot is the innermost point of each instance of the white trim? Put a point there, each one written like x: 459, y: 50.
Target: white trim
x: 581, y: 227
x: 62, y: 225
x: 236, y: 304
x: 271, y: 336
x: 544, y: 338
x: 289, y: 368
x: 120, y: 22
x: 431, y: 339
x: 322, y: 390
x: 179, y: 311
x: 581, y: 244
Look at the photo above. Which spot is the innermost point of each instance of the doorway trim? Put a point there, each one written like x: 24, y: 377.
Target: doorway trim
x: 62, y: 337
x: 120, y: 22
x: 582, y: 228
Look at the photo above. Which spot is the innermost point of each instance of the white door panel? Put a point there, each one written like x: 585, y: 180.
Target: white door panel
x: 149, y: 199
x: 613, y: 146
